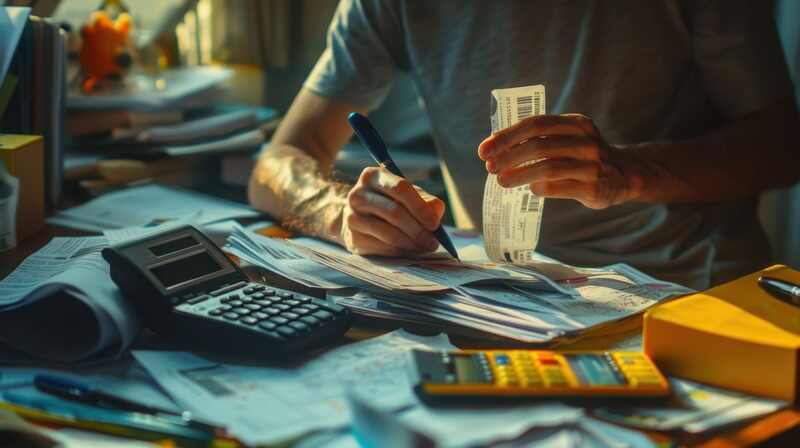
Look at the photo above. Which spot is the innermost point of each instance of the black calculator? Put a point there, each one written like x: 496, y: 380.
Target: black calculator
x: 185, y: 288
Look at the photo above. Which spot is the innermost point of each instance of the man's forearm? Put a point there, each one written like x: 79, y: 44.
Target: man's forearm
x: 291, y: 186
x: 740, y: 160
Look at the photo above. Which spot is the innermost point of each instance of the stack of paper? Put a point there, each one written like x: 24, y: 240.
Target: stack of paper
x: 360, y: 395
x: 532, y: 303
x: 267, y: 405
x: 60, y: 305
x: 144, y: 91
x: 148, y: 205
x: 694, y: 409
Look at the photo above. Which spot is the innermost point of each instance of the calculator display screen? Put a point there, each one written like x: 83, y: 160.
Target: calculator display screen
x: 173, y: 245
x: 185, y: 269
x: 595, y: 370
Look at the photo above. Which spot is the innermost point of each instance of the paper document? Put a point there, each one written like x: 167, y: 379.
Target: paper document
x: 285, y: 260
x: 694, y: 408
x: 65, y: 282
x: 148, y: 205
x: 423, y: 274
x: 548, y: 424
x: 475, y: 297
x: 171, y: 88
x: 214, y: 126
x: 268, y: 405
x: 512, y: 217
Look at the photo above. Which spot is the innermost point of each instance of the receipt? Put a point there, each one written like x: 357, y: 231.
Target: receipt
x: 512, y: 217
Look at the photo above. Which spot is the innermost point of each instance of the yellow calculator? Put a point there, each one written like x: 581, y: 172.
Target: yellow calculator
x: 536, y: 373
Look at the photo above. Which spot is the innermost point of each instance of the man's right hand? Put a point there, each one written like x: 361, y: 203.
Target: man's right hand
x: 387, y: 215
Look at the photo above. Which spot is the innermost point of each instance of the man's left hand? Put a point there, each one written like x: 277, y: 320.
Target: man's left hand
x: 570, y: 158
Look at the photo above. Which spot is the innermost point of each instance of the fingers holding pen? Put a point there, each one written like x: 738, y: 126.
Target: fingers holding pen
x: 387, y: 215
x: 388, y: 221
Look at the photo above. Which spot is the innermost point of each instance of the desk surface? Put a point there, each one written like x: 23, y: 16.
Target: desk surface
x: 778, y: 429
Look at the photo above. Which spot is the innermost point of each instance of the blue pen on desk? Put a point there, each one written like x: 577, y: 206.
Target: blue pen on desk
x: 374, y: 143
x: 72, y: 390
x: 120, y: 423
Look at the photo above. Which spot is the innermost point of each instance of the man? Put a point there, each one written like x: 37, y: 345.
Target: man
x: 668, y: 118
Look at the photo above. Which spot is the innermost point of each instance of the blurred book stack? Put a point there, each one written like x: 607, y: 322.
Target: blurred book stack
x: 151, y: 117
x: 32, y: 91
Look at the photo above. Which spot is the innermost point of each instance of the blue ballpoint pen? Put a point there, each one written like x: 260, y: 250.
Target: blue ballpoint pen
x: 72, y: 390
x: 374, y: 143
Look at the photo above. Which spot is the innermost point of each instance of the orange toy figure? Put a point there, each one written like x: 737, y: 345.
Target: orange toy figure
x: 105, y: 47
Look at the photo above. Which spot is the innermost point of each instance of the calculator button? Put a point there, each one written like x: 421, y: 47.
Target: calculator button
x: 252, y: 306
x: 274, y: 335
x: 310, y: 320
x: 291, y: 302
x: 322, y: 315
x: 216, y: 312
x: 249, y: 290
x: 228, y: 288
x: 302, y: 299
x: 258, y: 296
x: 286, y: 331
x: 271, y: 311
x: 534, y: 381
x: 501, y: 359
x: 241, y: 310
x: 230, y: 315
x: 267, y: 325
x: 649, y: 380
x: 259, y: 288
x: 289, y: 315
x: 279, y: 319
x: 198, y: 299
x: 299, y: 326
x: 281, y: 306
x: 246, y: 299
x: 310, y: 306
x: 235, y: 303
x: 284, y: 294
x: 250, y: 320
x: 549, y: 361
x: 259, y: 315
x: 300, y: 311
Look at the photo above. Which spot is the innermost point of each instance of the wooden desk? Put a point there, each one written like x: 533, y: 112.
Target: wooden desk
x: 780, y: 429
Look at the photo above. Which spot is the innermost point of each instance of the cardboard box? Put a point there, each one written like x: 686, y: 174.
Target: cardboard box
x: 735, y: 336
x: 23, y: 156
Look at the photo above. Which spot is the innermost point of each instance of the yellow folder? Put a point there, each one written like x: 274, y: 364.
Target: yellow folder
x: 735, y: 336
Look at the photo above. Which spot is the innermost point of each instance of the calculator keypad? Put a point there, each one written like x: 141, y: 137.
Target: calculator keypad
x: 526, y: 369
x: 546, y: 369
x: 280, y: 314
x: 637, y: 369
